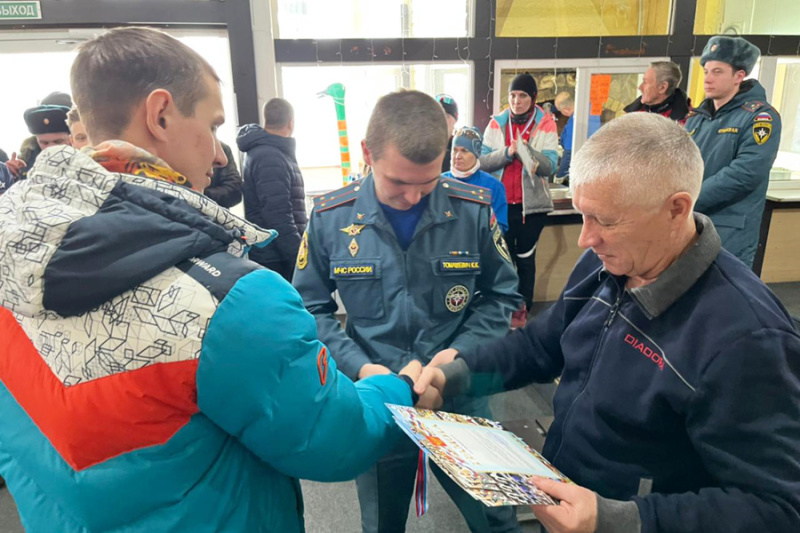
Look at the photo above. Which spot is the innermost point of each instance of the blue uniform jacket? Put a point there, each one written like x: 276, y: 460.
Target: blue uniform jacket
x: 151, y: 380
x: 692, y: 382
x: 453, y: 287
x: 487, y: 181
x: 739, y: 144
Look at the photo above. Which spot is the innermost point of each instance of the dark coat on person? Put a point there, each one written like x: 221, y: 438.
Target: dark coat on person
x: 274, y: 193
x: 226, y: 184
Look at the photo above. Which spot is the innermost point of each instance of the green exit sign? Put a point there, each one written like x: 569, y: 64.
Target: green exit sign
x: 20, y: 10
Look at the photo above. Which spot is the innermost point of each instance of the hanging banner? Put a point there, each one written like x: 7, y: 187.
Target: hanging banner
x: 20, y: 11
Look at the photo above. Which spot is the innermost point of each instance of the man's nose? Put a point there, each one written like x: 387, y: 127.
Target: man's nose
x: 588, y: 237
x: 413, y: 196
x: 220, y: 159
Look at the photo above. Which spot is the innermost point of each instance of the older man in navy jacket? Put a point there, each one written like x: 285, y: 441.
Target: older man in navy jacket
x: 679, y: 402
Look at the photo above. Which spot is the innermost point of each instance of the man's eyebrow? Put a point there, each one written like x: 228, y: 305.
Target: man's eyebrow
x: 401, y: 182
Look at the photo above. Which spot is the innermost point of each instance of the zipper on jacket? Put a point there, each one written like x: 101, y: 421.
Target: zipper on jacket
x: 600, y: 341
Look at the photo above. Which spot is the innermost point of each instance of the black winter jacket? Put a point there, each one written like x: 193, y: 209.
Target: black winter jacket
x: 274, y: 194
x: 226, y: 184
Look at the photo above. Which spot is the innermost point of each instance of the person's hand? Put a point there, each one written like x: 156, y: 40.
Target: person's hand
x: 447, y: 355
x: 512, y: 150
x: 577, y: 512
x: 372, y: 370
x: 429, y: 388
x: 412, y: 370
x: 15, y: 165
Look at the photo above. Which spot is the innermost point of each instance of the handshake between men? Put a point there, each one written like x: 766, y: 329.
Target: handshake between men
x: 578, y: 510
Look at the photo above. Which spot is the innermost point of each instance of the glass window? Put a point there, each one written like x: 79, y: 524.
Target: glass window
x: 747, y: 17
x: 364, y: 19
x: 316, y: 123
x: 786, y: 99
x: 549, y: 82
x: 52, y: 74
x: 608, y: 96
x: 576, y: 18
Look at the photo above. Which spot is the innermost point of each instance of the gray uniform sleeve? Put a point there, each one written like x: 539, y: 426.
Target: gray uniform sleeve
x: 312, y: 280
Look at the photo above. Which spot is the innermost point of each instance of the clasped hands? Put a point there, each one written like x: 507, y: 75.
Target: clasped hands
x: 577, y: 510
x: 428, y: 381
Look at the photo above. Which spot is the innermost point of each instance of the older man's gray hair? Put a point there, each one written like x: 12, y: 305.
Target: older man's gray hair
x: 646, y: 156
x: 667, y: 71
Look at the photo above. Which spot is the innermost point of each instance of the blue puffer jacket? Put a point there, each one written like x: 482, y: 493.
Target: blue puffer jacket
x: 151, y: 380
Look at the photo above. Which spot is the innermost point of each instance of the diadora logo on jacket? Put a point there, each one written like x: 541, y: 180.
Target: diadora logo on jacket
x: 645, y: 350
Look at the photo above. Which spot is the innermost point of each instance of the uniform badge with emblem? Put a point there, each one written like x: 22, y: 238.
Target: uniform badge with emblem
x: 457, y: 298
x: 500, y: 244
x: 302, y: 254
x: 353, y: 248
x: 353, y: 229
x: 762, y: 130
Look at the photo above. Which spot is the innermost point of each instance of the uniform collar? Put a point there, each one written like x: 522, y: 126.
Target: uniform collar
x: 749, y: 89
x: 367, y: 210
x: 681, y: 275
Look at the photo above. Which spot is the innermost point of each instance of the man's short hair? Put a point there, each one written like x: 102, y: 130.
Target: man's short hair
x: 277, y: 113
x: 650, y: 156
x: 73, y: 116
x: 667, y: 71
x: 412, y: 122
x: 115, y: 72
x: 564, y: 100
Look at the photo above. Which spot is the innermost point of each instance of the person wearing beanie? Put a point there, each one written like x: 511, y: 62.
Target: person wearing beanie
x: 467, y: 143
x: 48, y: 124
x: 451, y: 114
x: 738, y: 133
x: 524, y: 124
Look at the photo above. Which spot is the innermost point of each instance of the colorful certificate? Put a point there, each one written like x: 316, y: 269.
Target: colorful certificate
x: 491, y: 464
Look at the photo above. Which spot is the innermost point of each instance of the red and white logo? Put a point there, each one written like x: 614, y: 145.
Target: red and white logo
x: 645, y: 350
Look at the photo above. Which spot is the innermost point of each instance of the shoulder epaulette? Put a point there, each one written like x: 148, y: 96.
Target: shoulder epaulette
x: 336, y: 198
x: 465, y: 191
x: 753, y: 105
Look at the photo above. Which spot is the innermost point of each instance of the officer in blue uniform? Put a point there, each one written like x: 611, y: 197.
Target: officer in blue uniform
x: 421, y: 267
x: 738, y: 134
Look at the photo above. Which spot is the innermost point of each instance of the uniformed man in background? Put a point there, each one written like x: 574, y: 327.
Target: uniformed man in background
x: 738, y: 134
x: 421, y: 267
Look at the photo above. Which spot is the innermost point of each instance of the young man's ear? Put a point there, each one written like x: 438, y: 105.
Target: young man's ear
x: 366, y: 152
x: 158, y: 105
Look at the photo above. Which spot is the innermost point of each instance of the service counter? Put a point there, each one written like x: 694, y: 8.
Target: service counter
x: 778, y: 256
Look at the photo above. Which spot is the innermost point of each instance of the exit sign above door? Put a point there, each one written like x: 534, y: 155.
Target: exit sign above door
x: 20, y: 10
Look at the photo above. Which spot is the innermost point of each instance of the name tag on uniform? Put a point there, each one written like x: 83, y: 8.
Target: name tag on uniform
x: 459, y: 265
x: 354, y: 270
x: 728, y: 130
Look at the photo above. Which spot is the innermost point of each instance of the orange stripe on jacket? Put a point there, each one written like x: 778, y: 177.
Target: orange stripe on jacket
x: 94, y: 421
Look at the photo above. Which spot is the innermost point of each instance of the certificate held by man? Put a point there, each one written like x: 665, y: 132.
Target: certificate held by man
x: 493, y: 465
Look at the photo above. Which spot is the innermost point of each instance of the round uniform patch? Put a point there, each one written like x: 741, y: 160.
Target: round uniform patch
x: 457, y: 298
x: 302, y: 254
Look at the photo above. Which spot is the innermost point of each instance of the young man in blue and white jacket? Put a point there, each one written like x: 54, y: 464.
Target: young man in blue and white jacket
x: 679, y: 403
x: 151, y: 378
